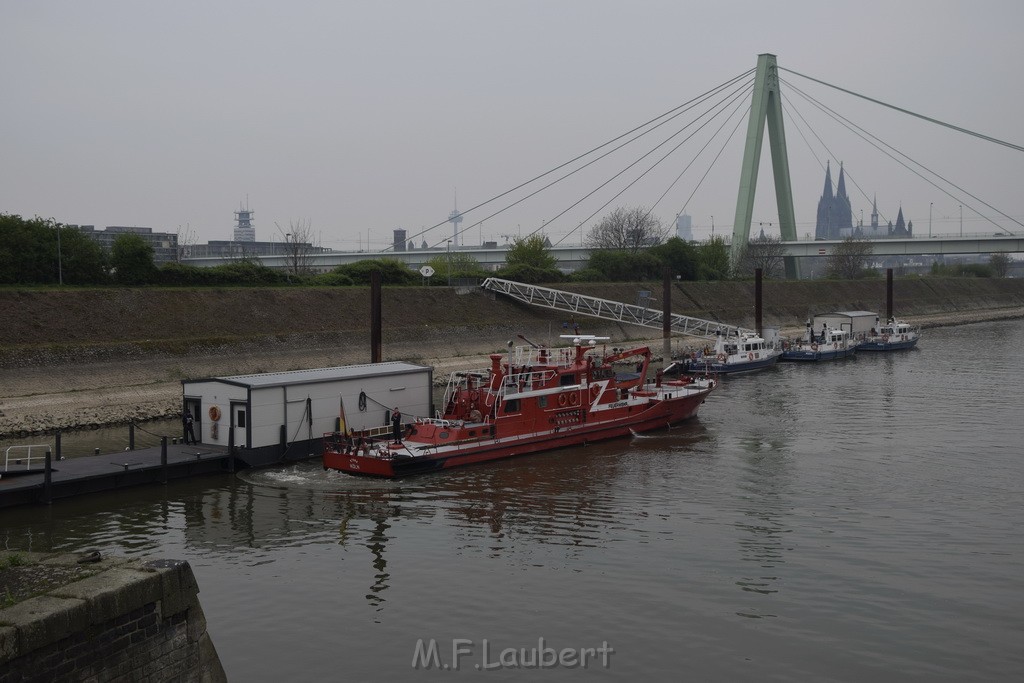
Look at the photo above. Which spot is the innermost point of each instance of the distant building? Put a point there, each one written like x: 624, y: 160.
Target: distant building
x: 239, y: 250
x: 684, y: 227
x: 835, y: 216
x: 244, y: 229
x: 834, y: 211
x: 399, y: 240
x: 165, y: 244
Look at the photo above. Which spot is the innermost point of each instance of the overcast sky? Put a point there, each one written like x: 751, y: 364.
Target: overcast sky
x: 363, y: 117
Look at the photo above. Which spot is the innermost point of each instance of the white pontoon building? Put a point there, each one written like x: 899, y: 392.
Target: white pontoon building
x: 279, y: 416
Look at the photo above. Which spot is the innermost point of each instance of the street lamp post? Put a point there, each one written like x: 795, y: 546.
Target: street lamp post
x: 930, y: 205
x: 449, y: 263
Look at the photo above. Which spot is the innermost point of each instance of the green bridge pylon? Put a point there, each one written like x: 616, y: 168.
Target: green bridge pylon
x: 766, y: 104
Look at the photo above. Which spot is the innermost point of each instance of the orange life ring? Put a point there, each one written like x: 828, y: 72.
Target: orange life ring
x: 814, y: 347
x: 885, y: 337
x: 214, y: 413
x: 721, y: 358
x: 835, y: 345
x: 561, y: 400
x: 750, y: 355
x: 574, y: 398
x: 594, y: 390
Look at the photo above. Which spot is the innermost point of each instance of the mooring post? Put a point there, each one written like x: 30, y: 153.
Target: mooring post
x: 757, y: 301
x: 375, y: 317
x: 888, y: 294
x: 131, y: 436
x: 163, y: 458
x: 48, y: 481
x: 666, y: 317
x: 56, y: 445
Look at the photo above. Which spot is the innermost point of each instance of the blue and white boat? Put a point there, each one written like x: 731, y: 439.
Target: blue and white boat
x: 745, y: 352
x: 894, y: 335
x: 830, y: 344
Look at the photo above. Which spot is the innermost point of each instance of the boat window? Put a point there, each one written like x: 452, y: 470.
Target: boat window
x: 567, y: 380
x: 542, y: 401
x: 443, y: 435
x: 512, y: 406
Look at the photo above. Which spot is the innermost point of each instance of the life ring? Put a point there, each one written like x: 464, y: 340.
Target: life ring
x: 885, y: 337
x: 594, y: 390
x: 721, y: 357
x: 835, y: 345
x: 814, y: 347
x: 750, y: 355
x: 474, y: 395
x: 561, y: 400
x: 574, y: 398
x: 214, y: 413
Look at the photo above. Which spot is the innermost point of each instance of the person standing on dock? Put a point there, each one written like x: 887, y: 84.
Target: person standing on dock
x: 190, y: 434
x: 396, y: 425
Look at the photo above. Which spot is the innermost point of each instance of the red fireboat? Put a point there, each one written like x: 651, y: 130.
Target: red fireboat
x: 533, y: 399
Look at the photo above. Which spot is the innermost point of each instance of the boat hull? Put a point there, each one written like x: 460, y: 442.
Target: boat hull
x: 880, y: 346
x: 808, y: 355
x: 697, y: 367
x: 658, y: 415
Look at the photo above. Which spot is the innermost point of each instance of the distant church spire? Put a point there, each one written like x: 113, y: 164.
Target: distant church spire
x: 835, y: 215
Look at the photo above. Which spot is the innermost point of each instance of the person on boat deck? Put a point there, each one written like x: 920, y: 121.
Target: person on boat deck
x: 190, y: 434
x: 396, y: 425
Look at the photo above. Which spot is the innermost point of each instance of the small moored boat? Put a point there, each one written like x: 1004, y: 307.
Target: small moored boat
x: 894, y: 335
x: 830, y: 344
x: 732, y: 354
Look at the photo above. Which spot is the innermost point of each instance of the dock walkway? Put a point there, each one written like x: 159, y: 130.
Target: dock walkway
x: 109, y: 471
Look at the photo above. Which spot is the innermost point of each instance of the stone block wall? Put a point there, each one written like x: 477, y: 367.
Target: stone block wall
x: 131, y: 621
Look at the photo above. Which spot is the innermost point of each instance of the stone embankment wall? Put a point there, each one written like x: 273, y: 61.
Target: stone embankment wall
x: 126, y: 621
x: 55, y: 327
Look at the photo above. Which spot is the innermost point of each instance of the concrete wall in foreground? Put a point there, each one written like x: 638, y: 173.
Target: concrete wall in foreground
x: 130, y: 621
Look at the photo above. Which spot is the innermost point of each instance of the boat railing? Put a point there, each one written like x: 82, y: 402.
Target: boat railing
x: 26, y: 459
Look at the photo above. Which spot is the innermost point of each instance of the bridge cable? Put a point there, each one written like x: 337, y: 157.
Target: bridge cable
x: 703, y: 98
x: 686, y: 105
x: 713, y: 136
x: 831, y: 154
x: 906, y: 111
x: 814, y: 155
x: 736, y: 94
x: 713, y: 161
x: 850, y: 126
x: 595, y: 160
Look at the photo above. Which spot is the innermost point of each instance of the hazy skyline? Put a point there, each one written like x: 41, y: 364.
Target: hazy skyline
x: 365, y: 117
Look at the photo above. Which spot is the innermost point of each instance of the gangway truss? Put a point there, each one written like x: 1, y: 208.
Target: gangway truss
x: 607, y: 310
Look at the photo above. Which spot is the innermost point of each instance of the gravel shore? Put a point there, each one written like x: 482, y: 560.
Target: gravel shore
x: 81, y: 395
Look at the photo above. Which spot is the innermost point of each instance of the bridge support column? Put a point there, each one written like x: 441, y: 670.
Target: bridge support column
x: 766, y: 105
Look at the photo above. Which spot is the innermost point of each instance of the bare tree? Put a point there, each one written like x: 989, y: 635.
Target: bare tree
x: 298, y: 245
x: 1000, y: 264
x: 849, y: 257
x: 187, y: 238
x: 628, y: 230
x: 764, y: 252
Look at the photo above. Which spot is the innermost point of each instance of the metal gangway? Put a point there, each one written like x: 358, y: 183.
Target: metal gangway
x: 608, y: 310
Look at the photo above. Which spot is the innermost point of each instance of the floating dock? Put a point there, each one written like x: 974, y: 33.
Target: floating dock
x: 108, y: 472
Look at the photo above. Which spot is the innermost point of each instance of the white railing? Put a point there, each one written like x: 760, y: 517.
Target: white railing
x: 27, y: 459
x: 607, y: 310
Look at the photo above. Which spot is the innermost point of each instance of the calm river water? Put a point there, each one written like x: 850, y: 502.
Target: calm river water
x: 851, y: 521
